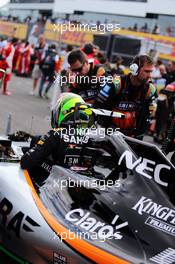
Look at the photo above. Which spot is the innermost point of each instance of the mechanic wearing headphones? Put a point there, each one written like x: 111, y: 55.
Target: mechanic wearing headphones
x: 131, y: 94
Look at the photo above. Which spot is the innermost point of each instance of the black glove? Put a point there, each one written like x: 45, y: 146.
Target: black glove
x: 19, y: 136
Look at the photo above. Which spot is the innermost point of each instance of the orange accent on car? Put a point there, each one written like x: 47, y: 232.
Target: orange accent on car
x: 88, y: 250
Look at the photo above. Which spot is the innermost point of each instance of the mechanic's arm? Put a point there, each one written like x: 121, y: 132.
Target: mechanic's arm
x: 145, y: 112
x: 36, y: 155
x: 106, y: 96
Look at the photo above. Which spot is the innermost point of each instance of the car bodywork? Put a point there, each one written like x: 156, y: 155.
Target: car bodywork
x: 123, y: 213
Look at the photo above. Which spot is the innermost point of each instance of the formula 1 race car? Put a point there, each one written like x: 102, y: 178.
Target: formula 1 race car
x: 123, y: 212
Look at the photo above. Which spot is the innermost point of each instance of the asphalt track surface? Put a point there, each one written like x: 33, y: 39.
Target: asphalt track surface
x: 28, y: 113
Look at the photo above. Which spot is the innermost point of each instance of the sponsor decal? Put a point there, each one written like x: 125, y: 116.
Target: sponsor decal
x: 165, y: 257
x: 91, y: 93
x: 145, y: 167
x: 77, y: 168
x: 46, y: 167
x: 85, y: 220
x: 40, y: 142
x: 162, y: 226
x: 16, y: 222
x: 72, y: 160
x: 160, y: 217
x: 75, y: 139
x: 127, y: 106
x: 59, y: 259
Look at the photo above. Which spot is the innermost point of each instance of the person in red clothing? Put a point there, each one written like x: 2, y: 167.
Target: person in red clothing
x: 24, y: 63
x: 3, y: 67
x: 16, y: 55
x: 6, y: 63
x: 89, y: 50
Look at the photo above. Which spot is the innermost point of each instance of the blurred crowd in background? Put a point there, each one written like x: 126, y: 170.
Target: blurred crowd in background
x: 26, y: 60
x: 156, y: 29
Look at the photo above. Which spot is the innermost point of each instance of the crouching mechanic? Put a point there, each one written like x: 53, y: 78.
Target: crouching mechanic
x: 64, y: 144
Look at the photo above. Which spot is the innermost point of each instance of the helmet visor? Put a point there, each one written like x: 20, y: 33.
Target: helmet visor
x: 81, y: 117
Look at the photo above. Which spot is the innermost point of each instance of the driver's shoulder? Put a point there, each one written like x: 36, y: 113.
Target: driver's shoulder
x: 58, y: 132
x: 53, y: 133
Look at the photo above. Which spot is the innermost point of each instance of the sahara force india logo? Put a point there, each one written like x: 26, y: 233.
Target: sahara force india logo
x: 85, y: 220
x: 160, y: 217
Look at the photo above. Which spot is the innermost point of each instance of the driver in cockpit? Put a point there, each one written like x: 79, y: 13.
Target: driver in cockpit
x: 64, y: 145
